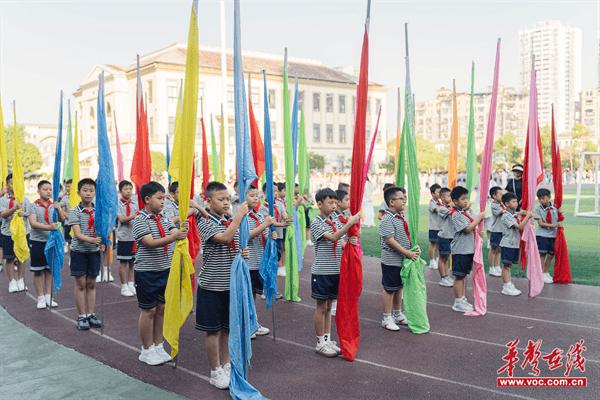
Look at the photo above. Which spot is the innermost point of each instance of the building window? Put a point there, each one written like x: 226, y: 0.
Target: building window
x: 342, y: 130
x: 316, y: 133
x: 173, y: 90
x: 377, y: 105
x: 354, y: 104
x: 329, y: 103
x: 271, y: 98
x: 300, y: 99
x: 342, y: 105
x: 329, y: 133
x: 171, y: 125
x: 273, y: 132
x: 150, y: 126
x: 317, y: 102
x: 150, y: 92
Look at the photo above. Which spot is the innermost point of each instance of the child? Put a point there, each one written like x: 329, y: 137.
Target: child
x: 341, y: 213
x: 8, y: 208
x: 125, y: 241
x: 445, y: 236
x: 434, y: 224
x: 40, y: 219
x: 66, y: 208
x: 511, y: 239
x: 546, y: 216
x: 462, y: 246
x: 154, y: 235
x: 327, y: 236
x: 496, y: 230
x: 256, y: 244
x: 383, y: 206
x: 220, y: 240
x: 85, y: 255
x: 395, y: 245
x: 280, y: 202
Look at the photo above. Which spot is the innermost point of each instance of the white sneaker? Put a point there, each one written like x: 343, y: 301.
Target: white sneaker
x: 281, y: 271
x: 547, y: 278
x: 21, y: 284
x: 262, y: 331
x: 333, y: 307
x: 460, y: 306
x: 131, y: 286
x: 150, y: 356
x: 509, y: 289
x: 432, y: 264
x: 219, y: 379
x: 400, y: 319
x: 334, y: 346
x: 469, y: 305
x: 162, y: 354
x: 262, y: 296
x: 110, y: 277
x: 13, y: 287
x: 325, y: 350
x: 309, y: 243
x: 446, y: 282
x: 47, y: 299
x: 125, y: 291
x: 227, y: 370
x: 389, y: 324
x: 1, y: 265
x: 99, y: 278
x: 41, y: 304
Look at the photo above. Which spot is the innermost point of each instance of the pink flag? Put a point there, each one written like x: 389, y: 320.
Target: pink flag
x: 119, y: 154
x: 479, y: 282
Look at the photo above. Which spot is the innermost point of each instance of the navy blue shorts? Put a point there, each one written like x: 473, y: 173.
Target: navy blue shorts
x: 279, y: 244
x: 125, y: 251
x: 8, y: 248
x: 67, y: 233
x: 444, y: 246
x: 325, y: 287
x: 545, y: 245
x: 433, y: 236
x: 212, y: 310
x: 509, y: 256
x: 462, y: 264
x: 257, y: 282
x: 390, y: 278
x: 150, y: 288
x: 495, y: 239
x: 38, y: 258
x: 85, y: 264
x: 307, y: 217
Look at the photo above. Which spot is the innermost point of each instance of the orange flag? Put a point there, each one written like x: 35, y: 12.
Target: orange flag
x: 453, y: 158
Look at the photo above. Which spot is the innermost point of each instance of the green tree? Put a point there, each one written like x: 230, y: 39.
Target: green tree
x: 159, y: 162
x: 317, y: 161
x: 429, y: 157
x: 29, y: 153
x: 582, y: 141
x: 507, y: 151
x: 546, y: 134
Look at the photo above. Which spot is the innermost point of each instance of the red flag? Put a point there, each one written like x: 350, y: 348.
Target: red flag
x: 350, y: 286
x: 193, y: 235
x: 258, y: 149
x: 141, y: 165
x: 205, y: 166
x: 562, y: 266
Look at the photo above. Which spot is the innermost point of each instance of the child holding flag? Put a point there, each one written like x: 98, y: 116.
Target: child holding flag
x: 434, y: 224
x: 445, y: 236
x: 66, y: 208
x: 125, y: 241
x: 497, y: 206
x: 546, y: 216
x: 154, y: 234
x: 341, y: 214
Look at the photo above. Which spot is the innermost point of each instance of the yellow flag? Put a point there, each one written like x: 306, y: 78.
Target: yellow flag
x: 178, y: 294
x: 74, y: 196
x: 3, y: 152
x: 17, y: 224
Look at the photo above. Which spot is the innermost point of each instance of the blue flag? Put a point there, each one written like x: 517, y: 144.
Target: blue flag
x: 106, y: 190
x: 297, y: 234
x: 268, y: 264
x: 242, y: 314
x: 54, y: 250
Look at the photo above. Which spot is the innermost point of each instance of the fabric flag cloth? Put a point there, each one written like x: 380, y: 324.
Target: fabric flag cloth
x: 268, y: 265
x: 453, y: 156
x: 120, y: 173
x: 67, y: 168
x: 562, y: 266
x: 479, y: 281
x: 291, y: 258
x: 532, y: 176
x: 214, y: 162
x: 371, y: 147
x: 3, y: 149
x: 17, y: 224
x: 242, y: 314
x: 303, y: 181
x: 298, y: 220
x: 415, y: 294
x: 141, y: 165
x: 258, y: 149
x: 205, y: 165
x: 350, y: 286
x: 471, y: 166
x: 54, y: 249
x: 178, y: 294
x: 401, y: 158
x: 73, y: 196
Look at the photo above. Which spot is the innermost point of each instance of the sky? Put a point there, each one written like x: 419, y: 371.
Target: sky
x: 46, y: 46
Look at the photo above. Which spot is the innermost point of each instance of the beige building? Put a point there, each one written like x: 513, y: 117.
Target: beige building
x: 328, y: 96
x: 589, y: 106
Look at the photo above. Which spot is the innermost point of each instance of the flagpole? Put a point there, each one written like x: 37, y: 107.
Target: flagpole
x: 225, y: 131
x: 174, y: 366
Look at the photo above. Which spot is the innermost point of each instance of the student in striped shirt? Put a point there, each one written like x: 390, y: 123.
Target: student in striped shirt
x: 220, y: 241
x: 155, y: 236
x: 445, y: 236
x: 66, y: 207
x: 496, y: 230
x: 126, y: 247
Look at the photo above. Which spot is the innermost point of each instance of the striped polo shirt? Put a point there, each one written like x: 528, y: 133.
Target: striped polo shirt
x: 497, y: 211
x: 392, y: 227
x: 256, y: 245
x: 511, y: 235
x: 463, y: 242
x: 157, y: 258
x: 39, y: 235
x: 446, y: 227
x: 328, y: 254
x: 171, y: 210
x: 77, y: 216
x: 125, y: 231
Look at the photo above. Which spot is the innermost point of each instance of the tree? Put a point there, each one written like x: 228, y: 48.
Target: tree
x: 582, y: 141
x: 546, y: 134
x: 507, y: 150
x: 159, y: 162
x: 429, y: 157
x: 29, y: 153
x: 317, y: 161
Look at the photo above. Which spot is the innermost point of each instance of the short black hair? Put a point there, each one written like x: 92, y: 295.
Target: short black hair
x: 173, y: 187
x: 9, y: 177
x: 235, y: 183
x: 85, y: 181
x: 341, y: 194
x: 494, y: 190
x: 214, y: 187
x: 343, y: 186
x: 252, y: 186
x: 542, y: 192
x: 386, y: 186
x: 508, y: 196
x: 150, y: 189
x: 124, y: 183
x: 280, y: 186
x: 324, y: 194
x: 457, y: 192
x: 68, y: 181
x: 444, y: 190
x: 391, y: 192
x: 434, y: 187
x: 42, y: 183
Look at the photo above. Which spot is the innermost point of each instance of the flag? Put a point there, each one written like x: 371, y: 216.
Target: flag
x: 141, y: 165
x: 297, y: 219
x: 532, y: 176
x: 479, y: 282
x: 214, y: 162
x: 562, y: 266
x: 258, y: 149
x: 17, y: 224
x: 73, y: 195
x: 303, y: 179
x: 118, y: 148
x: 205, y: 166
x: 242, y: 314
x: 222, y: 148
x: 178, y: 294
x: 68, y: 160
x: 350, y: 286
x: 371, y: 148
x: 471, y: 166
x: 3, y: 150
x: 453, y: 157
x: 268, y: 264
x: 401, y: 158
x: 54, y: 249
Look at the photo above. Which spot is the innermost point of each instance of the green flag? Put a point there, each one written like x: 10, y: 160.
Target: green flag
x: 471, y: 166
x: 68, y: 160
x: 401, y: 156
x: 214, y: 162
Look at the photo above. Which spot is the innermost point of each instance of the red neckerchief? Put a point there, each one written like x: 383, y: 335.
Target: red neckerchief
x: 342, y: 219
x: 502, y: 206
x: 275, y: 210
x: 332, y: 225
x: 11, y: 202
x: 549, y: 214
x: 127, y: 204
x: 90, y: 226
x: 439, y: 202
x: 253, y: 215
x: 405, y: 225
x: 226, y: 223
x: 463, y: 212
x: 161, y: 229
x: 46, y: 208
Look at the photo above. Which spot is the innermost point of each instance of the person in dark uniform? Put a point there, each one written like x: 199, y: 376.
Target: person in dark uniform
x: 515, y: 184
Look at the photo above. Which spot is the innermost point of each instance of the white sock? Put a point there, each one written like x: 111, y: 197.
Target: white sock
x: 130, y: 283
x: 396, y: 313
x: 41, y: 297
x: 124, y: 286
x: 82, y: 316
x: 386, y: 315
x: 320, y: 340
